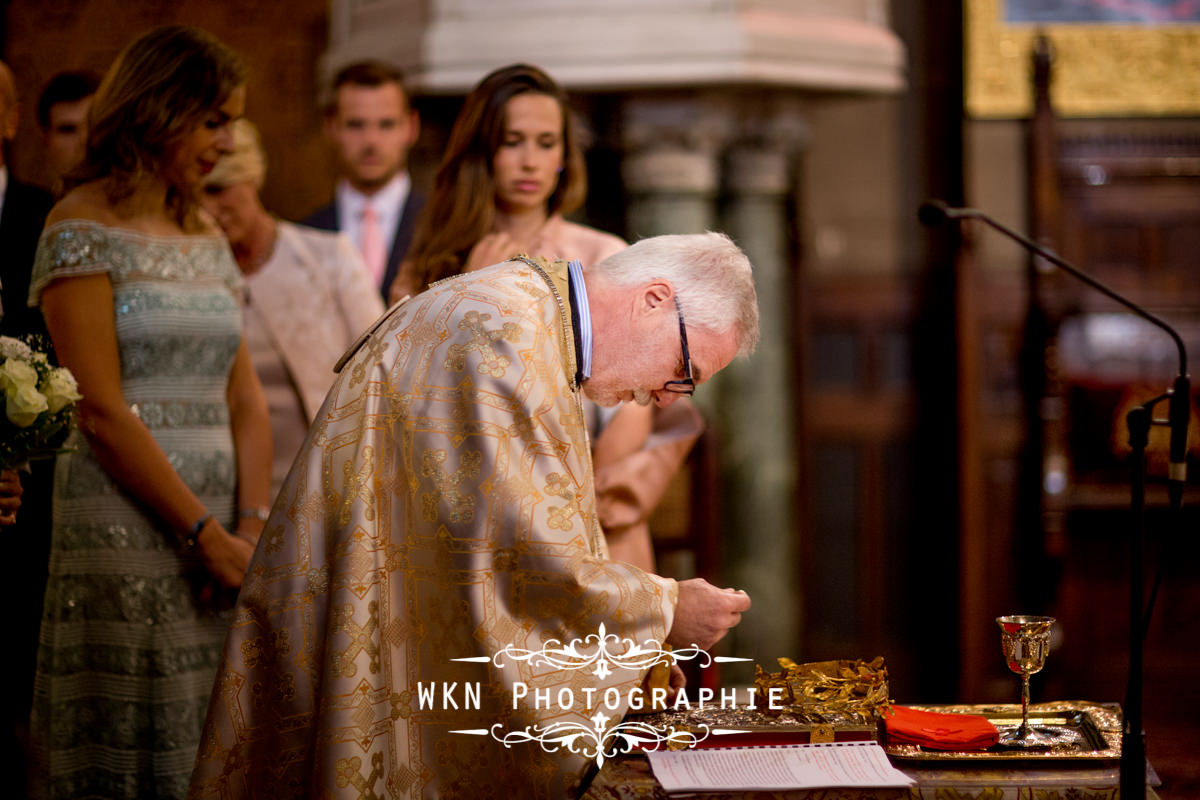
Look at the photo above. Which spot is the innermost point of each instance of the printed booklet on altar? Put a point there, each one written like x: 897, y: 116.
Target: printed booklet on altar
x: 799, y: 766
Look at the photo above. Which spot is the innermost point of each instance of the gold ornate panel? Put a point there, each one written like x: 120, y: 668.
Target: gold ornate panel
x: 1100, y: 69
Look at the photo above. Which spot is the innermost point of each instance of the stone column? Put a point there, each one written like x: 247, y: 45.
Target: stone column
x: 757, y: 398
x: 671, y: 169
x: 679, y: 163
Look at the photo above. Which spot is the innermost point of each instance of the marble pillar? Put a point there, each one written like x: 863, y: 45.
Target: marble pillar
x: 671, y: 166
x: 671, y: 172
x: 446, y: 46
x: 757, y: 403
x: 720, y: 162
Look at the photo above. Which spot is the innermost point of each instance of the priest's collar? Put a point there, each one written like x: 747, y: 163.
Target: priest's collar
x: 582, y: 321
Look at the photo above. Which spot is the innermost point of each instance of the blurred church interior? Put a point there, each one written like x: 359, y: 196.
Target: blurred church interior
x: 932, y: 432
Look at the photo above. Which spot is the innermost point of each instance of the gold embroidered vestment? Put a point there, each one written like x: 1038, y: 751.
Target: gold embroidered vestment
x: 442, y: 507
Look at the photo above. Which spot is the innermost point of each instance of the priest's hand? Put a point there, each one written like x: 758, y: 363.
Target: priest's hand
x: 678, y: 682
x: 704, y: 613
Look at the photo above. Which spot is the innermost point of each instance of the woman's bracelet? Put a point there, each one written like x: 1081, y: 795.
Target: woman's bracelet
x: 260, y: 513
x: 193, y: 533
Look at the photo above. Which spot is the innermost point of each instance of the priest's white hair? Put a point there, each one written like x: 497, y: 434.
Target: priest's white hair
x: 711, y: 276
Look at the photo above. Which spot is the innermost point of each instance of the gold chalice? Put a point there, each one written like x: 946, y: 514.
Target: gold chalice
x: 1025, y: 641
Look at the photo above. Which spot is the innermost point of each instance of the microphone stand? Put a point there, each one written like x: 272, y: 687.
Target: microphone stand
x: 1139, y: 420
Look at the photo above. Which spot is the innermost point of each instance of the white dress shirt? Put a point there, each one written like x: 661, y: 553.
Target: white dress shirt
x: 388, y: 203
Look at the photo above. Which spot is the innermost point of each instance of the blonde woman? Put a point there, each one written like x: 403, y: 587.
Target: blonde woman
x: 308, y: 295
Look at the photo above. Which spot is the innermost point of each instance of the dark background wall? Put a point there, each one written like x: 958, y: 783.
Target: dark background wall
x: 281, y: 42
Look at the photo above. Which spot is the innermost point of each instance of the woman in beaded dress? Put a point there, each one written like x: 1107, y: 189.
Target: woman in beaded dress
x: 307, y: 296
x: 512, y: 168
x: 140, y: 294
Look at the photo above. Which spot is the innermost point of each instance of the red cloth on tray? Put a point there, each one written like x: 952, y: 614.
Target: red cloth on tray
x: 936, y: 731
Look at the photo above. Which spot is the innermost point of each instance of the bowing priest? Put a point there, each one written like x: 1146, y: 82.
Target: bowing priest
x: 442, y: 508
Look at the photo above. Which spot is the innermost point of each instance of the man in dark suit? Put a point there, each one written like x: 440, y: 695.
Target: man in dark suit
x: 62, y: 115
x: 23, y: 210
x: 371, y: 126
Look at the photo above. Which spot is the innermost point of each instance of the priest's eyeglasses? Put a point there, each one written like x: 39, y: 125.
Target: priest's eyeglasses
x: 687, y: 386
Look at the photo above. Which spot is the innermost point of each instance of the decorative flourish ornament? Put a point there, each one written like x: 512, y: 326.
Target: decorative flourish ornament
x: 574, y: 656
x: 603, y: 653
x: 600, y: 741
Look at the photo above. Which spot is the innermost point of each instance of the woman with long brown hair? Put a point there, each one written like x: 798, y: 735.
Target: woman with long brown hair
x: 158, y: 502
x: 511, y: 171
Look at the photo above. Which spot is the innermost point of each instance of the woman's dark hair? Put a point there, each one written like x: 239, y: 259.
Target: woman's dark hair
x: 161, y: 87
x: 462, y: 207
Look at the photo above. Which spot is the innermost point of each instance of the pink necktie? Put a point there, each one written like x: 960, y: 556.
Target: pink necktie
x: 372, y: 245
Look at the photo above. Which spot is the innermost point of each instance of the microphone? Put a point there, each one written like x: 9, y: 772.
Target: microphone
x: 1133, y: 754
x: 1178, y: 416
x: 937, y: 212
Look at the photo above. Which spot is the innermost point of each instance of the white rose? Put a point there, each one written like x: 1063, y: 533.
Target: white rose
x: 16, y: 375
x: 60, y: 389
x: 24, y: 405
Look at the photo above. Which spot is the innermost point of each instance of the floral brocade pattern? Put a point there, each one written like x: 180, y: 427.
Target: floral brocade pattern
x: 128, y: 649
x: 437, y: 511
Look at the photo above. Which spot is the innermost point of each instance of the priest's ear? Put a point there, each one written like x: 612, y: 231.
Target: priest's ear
x: 656, y: 295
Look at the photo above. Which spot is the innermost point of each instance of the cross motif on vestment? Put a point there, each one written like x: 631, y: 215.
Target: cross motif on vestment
x: 490, y: 362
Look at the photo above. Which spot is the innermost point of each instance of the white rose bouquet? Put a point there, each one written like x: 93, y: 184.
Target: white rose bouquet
x: 38, y: 402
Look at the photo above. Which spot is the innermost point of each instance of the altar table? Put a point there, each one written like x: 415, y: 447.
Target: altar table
x: 629, y: 778
x: 973, y: 776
